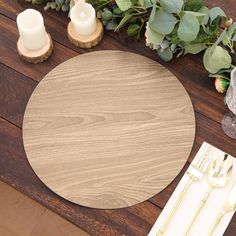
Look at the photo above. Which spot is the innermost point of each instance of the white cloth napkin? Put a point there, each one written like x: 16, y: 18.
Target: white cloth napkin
x: 191, y: 201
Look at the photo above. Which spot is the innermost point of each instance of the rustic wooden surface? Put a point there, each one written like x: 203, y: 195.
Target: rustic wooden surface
x: 22, y: 216
x: 101, y: 132
x: 17, y: 81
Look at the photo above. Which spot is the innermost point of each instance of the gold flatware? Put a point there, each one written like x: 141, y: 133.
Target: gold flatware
x: 218, y: 174
x: 196, y: 173
x: 229, y: 206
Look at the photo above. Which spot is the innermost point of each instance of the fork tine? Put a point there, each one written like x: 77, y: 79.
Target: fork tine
x: 227, y: 165
x: 226, y: 156
x: 205, y: 159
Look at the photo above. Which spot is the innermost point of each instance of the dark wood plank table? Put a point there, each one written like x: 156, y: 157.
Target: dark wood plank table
x: 18, y: 80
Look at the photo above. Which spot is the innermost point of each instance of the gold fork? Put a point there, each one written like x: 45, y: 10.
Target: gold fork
x: 218, y: 175
x: 229, y: 206
x: 196, y: 173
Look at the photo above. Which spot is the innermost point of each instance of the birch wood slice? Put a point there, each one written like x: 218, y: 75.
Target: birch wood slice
x: 108, y: 129
x: 87, y: 41
x: 35, y: 56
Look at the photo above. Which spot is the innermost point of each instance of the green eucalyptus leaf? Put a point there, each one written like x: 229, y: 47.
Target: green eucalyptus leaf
x: 225, y: 71
x: 226, y: 40
x: 133, y: 30
x: 194, y: 48
x: 207, y: 61
x: 221, y: 37
x: 165, y: 44
x: 173, y: 47
x: 216, y: 58
x: 145, y: 3
x: 153, y: 12
x: 104, y: 22
x: 197, y: 14
x: 124, y: 5
x: 65, y: 7
x: 206, y: 18
x: 174, y: 38
x: 141, y: 2
x: 72, y: 3
x: 107, y: 15
x: 99, y: 14
x: 172, y: 6
x: 111, y: 25
x: 232, y: 30
x: 165, y: 54
x: 123, y: 21
x: 234, y: 38
x: 215, y: 12
x: 193, y: 5
x: 202, y: 37
x: 188, y: 28
x: 153, y: 37
x: 214, y: 27
x: 117, y: 11
x: 163, y: 22
x: 219, y: 76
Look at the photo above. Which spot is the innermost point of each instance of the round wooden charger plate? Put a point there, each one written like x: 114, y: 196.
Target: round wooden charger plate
x: 108, y: 129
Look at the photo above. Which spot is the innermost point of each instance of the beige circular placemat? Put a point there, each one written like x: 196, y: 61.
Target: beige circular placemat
x: 108, y: 129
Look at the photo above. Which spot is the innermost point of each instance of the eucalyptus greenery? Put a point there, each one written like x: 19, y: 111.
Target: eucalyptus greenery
x: 181, y: 27
x: 119, y: 13
x: 57, y: 5
x: 173, y: 28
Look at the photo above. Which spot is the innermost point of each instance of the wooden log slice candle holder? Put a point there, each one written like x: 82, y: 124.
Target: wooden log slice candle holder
x: 87, y: 41
x: 35, y: 56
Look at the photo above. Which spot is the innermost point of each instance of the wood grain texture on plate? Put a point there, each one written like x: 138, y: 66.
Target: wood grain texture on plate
x: 108, y: 129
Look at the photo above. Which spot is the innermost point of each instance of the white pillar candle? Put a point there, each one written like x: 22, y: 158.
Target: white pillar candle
x: 31, y: 29
x: 83, y: 17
